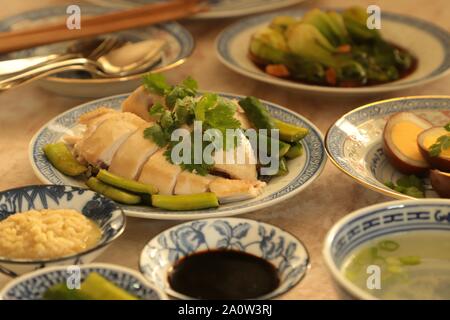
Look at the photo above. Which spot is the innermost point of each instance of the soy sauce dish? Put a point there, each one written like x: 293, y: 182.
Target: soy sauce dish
x: 394, y: 250
x: 224, y: 259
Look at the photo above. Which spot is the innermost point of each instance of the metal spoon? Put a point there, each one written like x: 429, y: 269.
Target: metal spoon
x: 88, y: 48
x: 131, y: 58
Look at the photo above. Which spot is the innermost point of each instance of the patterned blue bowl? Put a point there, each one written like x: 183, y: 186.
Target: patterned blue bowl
x: 33, y: 285
x: 105, y: 212
x: 263, y: 240
x: 361, y: 226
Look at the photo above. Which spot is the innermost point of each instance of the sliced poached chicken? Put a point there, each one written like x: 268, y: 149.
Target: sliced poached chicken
x: 99, y: 146
x: 238, y: 162
x: 230, y: 190
x: 189, y: 183
x: 132, y: 155
x: 160, y: 172
x: 139, y: 103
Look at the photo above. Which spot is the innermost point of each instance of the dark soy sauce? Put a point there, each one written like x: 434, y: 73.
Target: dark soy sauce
x: 223, y: 274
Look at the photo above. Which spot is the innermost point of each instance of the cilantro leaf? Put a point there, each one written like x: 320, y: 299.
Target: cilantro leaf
x: 184, y: 110
x: 187, y: 89
x: 157, y: 134
x: 221, y: 117
x: 197, y: 168
x: 157, y: 110
x: 447, y: 127
x: 190, y: 83
x: 156, y: 83
x: 207, y: 102
x: 409, y: 185
x: 442, y: 143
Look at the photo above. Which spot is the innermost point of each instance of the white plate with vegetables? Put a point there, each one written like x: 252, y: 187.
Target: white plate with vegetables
x: 118, y: 147
x: 333, y: 52
x: 399, y: 147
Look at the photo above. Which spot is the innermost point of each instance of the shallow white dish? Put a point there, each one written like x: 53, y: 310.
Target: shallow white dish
x: 427, y: 42
x: 218, y: 8
x: 285, y: 252
x: 33, y: 285
x: 179, y: 46
x: 354, y: 142
x: 302, y: 170
x: 364, y: 225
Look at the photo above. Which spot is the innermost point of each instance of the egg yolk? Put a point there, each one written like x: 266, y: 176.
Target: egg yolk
x: 432, y: 139
x: 404, y: 136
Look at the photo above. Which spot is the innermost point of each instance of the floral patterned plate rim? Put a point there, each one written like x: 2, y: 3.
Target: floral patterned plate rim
x: 353, y: 142
x: 33, y: 285
x: 303, y: 170
x: 279, y: 247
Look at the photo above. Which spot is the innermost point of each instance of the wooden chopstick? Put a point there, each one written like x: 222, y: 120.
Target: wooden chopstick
x: 92, y: 26
x: 105, y: 18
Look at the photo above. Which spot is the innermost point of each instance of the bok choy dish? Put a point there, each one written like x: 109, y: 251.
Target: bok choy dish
x: 131, y: 156
x: 329, y: 48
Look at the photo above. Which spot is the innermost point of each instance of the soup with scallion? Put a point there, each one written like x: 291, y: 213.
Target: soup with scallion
x: 412, y: 265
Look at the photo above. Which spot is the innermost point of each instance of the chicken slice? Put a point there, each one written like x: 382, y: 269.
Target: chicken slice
x: 159, y: 172
x: 230, y: 190
x: 139, y: 103
x: 102, y: 144
x: 242, y: 117
x: 91, y: 120
x: 243, y: 162
x: 189, y: 183
x: 132, y: 155
x: 90, y: 116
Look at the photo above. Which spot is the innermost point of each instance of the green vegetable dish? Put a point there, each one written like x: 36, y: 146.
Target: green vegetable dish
x: 94, y: 287
x: 329, y: 48
x: 410, y: 265
x: 146, y: 154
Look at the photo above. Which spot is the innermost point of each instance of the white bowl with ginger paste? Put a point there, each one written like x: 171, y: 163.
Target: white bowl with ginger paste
x: 49, y: 225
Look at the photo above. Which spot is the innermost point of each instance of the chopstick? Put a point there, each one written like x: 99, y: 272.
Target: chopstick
x: 92, y: 26
x: 105, y: 18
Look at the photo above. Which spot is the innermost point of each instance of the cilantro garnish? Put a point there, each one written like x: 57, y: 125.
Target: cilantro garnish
x: 442, y: 143
x: 183, y: 107
x: 409, y: 185
x: 202, y: 168
x: 156, y: 83
x: 157, y: 134
x: 157, y: 110
x: 221, y: 117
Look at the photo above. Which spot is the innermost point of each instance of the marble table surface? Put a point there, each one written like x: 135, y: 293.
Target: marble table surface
x: 309, y: 215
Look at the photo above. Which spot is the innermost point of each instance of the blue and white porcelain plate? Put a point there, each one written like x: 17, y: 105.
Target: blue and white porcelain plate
x: 354, y: 142
x: 33, y: 285
x: 218, y: 8
x: 280, y: 248
x: 103, y: 211
x: 302, y: 170
x: 362, y: 226
x: 179, y: 46
x: 426, y: 41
